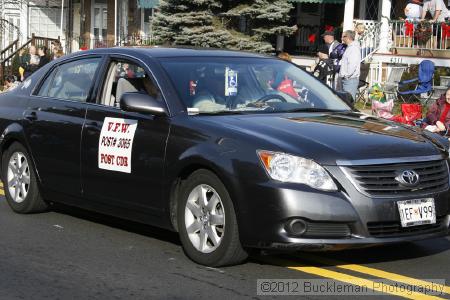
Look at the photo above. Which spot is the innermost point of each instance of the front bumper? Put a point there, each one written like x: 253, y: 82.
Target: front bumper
x: 265, y: 208
x: 351, y: 243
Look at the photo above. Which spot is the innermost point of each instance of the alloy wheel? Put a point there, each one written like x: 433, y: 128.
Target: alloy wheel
x: 205, y: 218
x: 18, y: 177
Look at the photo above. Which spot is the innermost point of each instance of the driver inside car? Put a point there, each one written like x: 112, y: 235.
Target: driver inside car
x: 210, y: 95
x: 211, y: 92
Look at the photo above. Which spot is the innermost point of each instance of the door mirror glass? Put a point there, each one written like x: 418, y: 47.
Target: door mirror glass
x: 143, y: 103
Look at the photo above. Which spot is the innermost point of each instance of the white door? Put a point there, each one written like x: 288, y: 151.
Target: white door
x: 100, y: 16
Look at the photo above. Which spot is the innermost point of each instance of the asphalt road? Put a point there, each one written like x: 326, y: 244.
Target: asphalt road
x: 72, y: 254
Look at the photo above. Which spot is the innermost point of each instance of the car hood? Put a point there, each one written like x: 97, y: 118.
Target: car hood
x: 329, y: 137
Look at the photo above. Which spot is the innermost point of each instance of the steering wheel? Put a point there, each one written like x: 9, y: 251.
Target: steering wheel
x: 268, y: 97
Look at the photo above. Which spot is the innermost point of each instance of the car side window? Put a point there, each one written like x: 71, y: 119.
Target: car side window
x: 71, y: 81
x: 127, y: 77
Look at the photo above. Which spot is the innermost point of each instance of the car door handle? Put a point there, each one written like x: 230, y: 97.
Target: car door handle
x: 92, y: 126
x: 30, y: 116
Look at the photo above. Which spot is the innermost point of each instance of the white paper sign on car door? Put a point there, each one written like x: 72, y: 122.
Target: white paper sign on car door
x: 115, y: 144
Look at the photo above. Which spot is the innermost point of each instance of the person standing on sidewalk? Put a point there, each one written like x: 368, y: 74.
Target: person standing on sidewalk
x: 350, y: 64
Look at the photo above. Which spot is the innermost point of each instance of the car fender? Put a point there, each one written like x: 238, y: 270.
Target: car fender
x: 14, y: 132
x: 212, y: 156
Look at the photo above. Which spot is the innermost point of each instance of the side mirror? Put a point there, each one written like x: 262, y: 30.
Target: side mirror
x: 346, y: 97
x: 143, y: 103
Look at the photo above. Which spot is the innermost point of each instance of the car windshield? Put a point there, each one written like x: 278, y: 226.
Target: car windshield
x: 223, y: 85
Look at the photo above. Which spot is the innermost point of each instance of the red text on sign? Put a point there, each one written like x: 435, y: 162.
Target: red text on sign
x: 107, y: 159
x: 118, y: 127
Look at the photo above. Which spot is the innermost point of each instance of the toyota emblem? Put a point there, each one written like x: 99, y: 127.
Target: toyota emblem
x: 408, y: 178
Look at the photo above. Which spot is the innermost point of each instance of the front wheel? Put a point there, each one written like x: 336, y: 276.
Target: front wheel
x: 207, y: 221
x: 21, y: 188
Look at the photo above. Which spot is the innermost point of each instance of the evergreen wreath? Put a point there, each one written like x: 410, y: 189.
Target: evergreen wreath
x: 423, y: 32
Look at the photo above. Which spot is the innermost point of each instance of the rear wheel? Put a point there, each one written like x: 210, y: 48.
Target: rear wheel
x: 21, y: 189
x: 207, y: 221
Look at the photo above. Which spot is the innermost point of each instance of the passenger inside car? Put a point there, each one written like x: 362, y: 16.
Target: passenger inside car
x: 133, y: 80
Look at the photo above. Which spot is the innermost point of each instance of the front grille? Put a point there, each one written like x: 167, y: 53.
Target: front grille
x: 327, y: 230
x: 379, y: 180
x: 394, y: 229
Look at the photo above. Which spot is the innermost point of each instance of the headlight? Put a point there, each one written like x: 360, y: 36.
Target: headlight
x: 288, y: 168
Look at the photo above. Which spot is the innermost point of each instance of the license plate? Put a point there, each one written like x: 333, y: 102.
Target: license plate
x: 417, y: 212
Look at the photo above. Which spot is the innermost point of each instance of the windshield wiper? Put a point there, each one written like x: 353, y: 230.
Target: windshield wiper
x: 312, y: 109
x: 222, y: 112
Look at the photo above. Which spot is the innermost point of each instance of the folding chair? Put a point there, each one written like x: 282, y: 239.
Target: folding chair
x: 424, y: 87
x: 363, y: 85
x: 390, y: 88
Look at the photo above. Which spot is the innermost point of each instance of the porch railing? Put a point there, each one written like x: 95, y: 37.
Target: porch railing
x: 81, y: 43
x: 10, y: 49
x: 137, y: 40
x: 420, y: 35
x: 369, y: 40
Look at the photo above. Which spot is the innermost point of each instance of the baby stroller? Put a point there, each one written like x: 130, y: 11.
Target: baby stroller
x: 424, y: 87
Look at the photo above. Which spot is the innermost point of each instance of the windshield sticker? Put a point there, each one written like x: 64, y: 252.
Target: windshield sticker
x: 231, y: 82
x: 115, y: 144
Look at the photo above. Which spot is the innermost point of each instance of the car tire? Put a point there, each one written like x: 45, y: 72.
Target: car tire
x: 209, y: 233
x: 20, y: 183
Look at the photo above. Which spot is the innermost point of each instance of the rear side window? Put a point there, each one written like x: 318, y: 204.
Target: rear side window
x: 71, y: 81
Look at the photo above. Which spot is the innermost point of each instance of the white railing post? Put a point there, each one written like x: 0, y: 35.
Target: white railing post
x: 385, y: 18
x: 380, y: 72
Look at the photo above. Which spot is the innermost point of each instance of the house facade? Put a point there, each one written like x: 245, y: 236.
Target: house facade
x: 105, y: 23
x: 21, y: 19
x: 85, y: 24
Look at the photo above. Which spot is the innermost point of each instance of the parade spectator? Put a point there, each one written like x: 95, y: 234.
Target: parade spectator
x: 24, y: 60
x: 10, y: 83
x: 57, y: 52
x: 28, y: 62
x: 437, y: 9
x: 324, y: 69
x: 34, y: 57
x: 328, y: 38
x: 438, y: 116
x: 322, y: 52
x: 365, y: 43
x: 32, y: 63
x: 350, y: 64
x: 335, y: 51
x: 43, y: 56
x: 55, y: 44
x: 285, y: 56
x: 56, y: 49
x: 413, y: 11
x: 440, y: 13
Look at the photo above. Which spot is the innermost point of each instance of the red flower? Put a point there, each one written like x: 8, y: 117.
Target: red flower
x: 312, y: 38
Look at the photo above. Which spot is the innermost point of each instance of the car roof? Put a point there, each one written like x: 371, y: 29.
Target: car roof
x: 167, y: 52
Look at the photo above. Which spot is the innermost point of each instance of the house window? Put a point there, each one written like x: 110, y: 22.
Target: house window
x: 372, y: 9
x: 45, y: 21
